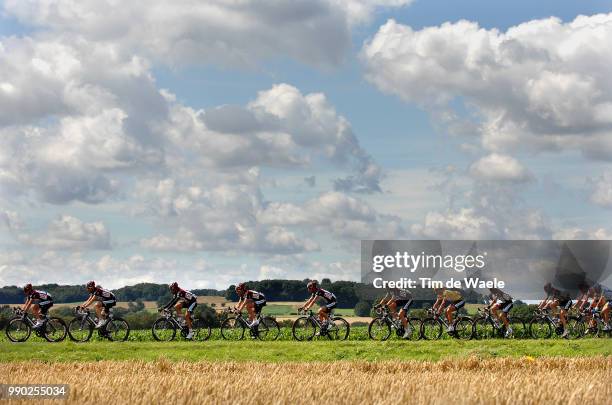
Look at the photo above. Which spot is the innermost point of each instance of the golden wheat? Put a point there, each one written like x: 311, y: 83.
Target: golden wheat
x: 465, y: 381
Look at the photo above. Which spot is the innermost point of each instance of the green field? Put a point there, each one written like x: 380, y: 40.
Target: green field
x: 217, y: 350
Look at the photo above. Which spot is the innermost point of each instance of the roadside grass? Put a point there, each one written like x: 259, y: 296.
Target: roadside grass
x: 281, y: 351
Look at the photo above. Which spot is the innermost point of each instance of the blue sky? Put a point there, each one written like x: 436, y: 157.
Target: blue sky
x: 123, y: 162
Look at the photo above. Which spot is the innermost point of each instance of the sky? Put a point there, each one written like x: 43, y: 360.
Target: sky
x: 222, y: 141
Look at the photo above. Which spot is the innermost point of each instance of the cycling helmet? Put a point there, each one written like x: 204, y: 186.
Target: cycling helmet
x: 27, y: 288
x: 173, y: 287
x: 241, y: 287
x: 91, y: 284
x: 312, y: 285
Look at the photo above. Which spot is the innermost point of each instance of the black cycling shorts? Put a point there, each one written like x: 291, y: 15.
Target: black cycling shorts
x: 329, y: 306
x: 404, y: 304
x: 565, y: 303
x: 189, y: 305
x: 259, y: 304
x: 108, y: 304
x: 458, y: 304
x: 44, y: 306
x: 506, y: 306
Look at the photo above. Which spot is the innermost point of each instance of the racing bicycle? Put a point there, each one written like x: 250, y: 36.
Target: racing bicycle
x: 435, y: 324
x: 544, y: 323
x: 20, y: 327
x: 164, y: 329
x: 384, y: 323
x: 487, y: 326
x: 235, y: 327
x: 308, y: 326
x: 592, y: 324
x: 81, y: 328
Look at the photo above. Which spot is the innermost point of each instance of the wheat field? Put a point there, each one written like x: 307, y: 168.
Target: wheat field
x: 463, y: 381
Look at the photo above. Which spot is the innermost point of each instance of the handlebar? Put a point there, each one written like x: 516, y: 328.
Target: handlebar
x: 81, y: 311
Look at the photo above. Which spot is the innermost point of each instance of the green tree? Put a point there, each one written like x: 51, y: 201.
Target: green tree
x: 363, y: 308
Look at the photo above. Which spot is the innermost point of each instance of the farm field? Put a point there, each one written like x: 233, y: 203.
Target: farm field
x: 464, y: 381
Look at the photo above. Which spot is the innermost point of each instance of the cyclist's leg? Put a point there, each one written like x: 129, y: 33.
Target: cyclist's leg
x: 323, y: 313
x: 98, y: 306
x: 563, y: 313
x: 449, y: 313
x: 403, y: 315
x: 179, y: 309
x: 605, y: 314
x: 251, y: 310
x: 495, y: 310
x: 36, y: 312
x: 504, y: 314
x: 189, y: 313
x: 106, y: 306
x: 392, y: 304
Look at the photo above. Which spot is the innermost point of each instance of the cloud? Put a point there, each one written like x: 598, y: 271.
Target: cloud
x: 602, y: 193
x: 11, y: 220
x: 462, y: 224
x: 236, y: 218
x: 576, y: 233
x: 69, y: 233
x: 541, y: 85
x: 500, y: 168
x: 345, y: 216
x: 281, y: 127
x: 310, y: 181
x: 71, y: 123
x: 222, y: 32
x: 95, y: 125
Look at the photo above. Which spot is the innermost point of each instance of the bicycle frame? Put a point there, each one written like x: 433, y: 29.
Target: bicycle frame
x: 85, y: 315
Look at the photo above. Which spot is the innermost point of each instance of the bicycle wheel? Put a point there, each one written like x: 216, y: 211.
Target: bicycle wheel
x: 519, y: 330
x: 17, y: 330
x: 483, y: 328
x: 601, y: 332
x: 379, y: 329
x: 201, y: 331
x: 232, y: 329
x: 117, y: 330
x: 415, y: 329
x: 163, y: 330
x: 463, y: 328
x: 303, y: 328
x: 55, y: 330
x: 576, y: 327
x: 540, y: 328
x: 339, y: 330
x: 79, y: 330
x: 431, y: 329
x: 268, y: 329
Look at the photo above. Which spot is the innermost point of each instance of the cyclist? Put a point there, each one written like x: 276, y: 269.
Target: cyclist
x: 603, y: 301
x: 398, y: 298
x: 326, y: 308
x: 606, y: 293
x: 503, y: 301
x: 455, y: 302
x: 253, y: 300
x: 557, y: 299
x: 104, y: 299
x: 586, y: 293
x: 182, y: 299
x: 39, y: 301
